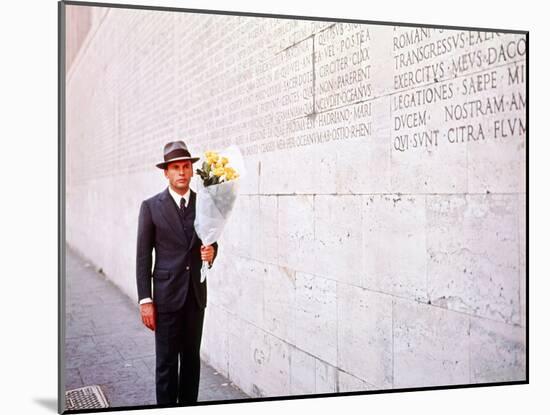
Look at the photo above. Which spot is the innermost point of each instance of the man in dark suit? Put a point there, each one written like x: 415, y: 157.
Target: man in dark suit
x: 174, y: 307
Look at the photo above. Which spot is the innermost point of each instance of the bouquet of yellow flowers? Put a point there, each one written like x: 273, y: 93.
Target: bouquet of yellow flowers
x: 216, y: 194
x: 215, y: 169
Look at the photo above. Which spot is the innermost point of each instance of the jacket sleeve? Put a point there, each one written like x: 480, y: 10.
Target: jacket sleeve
x: 215, y: 245
x: 144, y: 254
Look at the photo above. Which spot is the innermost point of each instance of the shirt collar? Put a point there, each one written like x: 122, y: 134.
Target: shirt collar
x: 177, y: 197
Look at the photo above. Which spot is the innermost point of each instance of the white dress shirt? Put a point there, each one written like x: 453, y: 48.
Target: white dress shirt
x: 177, y: 198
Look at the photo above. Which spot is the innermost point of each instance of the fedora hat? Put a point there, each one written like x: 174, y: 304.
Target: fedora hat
x: 176, y: 151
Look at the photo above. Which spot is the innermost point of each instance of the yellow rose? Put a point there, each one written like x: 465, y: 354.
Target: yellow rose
x: 218, y: 171
x: 230, y: 173
x: 224, y: 161
x: 212, y: 159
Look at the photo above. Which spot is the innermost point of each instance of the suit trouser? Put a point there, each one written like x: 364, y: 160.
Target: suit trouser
x: 177, y: 343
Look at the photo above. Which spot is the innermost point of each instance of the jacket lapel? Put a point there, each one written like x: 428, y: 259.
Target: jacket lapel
x: 192, y: 205
x: 171, y: 215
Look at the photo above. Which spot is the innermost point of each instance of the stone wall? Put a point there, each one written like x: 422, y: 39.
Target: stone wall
x: 379, y: 240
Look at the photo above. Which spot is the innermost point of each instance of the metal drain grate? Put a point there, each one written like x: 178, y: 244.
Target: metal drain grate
x: 85, y: 398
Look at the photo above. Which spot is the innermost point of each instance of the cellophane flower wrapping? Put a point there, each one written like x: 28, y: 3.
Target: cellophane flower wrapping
x: 215, y: 203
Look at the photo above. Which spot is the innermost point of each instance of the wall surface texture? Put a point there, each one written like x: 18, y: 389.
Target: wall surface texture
x: 379, y: 240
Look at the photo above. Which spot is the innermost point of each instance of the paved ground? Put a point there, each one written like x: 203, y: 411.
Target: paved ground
x: 107, y: 345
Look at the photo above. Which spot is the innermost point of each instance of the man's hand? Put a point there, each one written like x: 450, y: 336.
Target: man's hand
x: 148, y: 315
x: 207, y: 253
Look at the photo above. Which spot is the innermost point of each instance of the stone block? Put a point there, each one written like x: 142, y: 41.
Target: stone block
x: 342, y: 66
x: 497, y: 352
x: 326, y: 377
x: 351, y: 101
x: 249, y: 284
x: 309, y: 168
x: 496, y: 163
x: 394, y: 245
x: 302, y: 372
x: 268, y: 249
x: 240, y: 355
x: 236, y: 285
x: 214, y: 346
x: 365, y: 342
x: 338, y: 238
x: 349, y: 383
x: 230, y: 238
x: 316, y: 316
x: 223, y: 280
x: 360, y: 146
x: 296, y: 233
x: 522, y: 241
x: 473, y: 255
x: 243, y: 226
x: 310, y: 375
x: 430, y: 346
x: 250, y: 179
x: 418, y: 164
x: 280, y: 302
x: 258, y: 362
x: 321, y: 152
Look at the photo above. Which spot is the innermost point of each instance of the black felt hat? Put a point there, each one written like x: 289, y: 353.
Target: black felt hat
x: 176, y: 151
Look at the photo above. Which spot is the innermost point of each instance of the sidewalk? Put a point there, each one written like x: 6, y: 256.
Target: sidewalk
x: 107, y: 344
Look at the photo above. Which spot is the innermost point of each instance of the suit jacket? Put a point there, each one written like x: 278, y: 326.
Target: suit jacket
x: 176, y: 271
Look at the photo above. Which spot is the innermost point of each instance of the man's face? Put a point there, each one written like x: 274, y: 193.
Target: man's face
x: 179, y: 175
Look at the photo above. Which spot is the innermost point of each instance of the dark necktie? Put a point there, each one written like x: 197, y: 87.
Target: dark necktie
x: 182, y: 218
